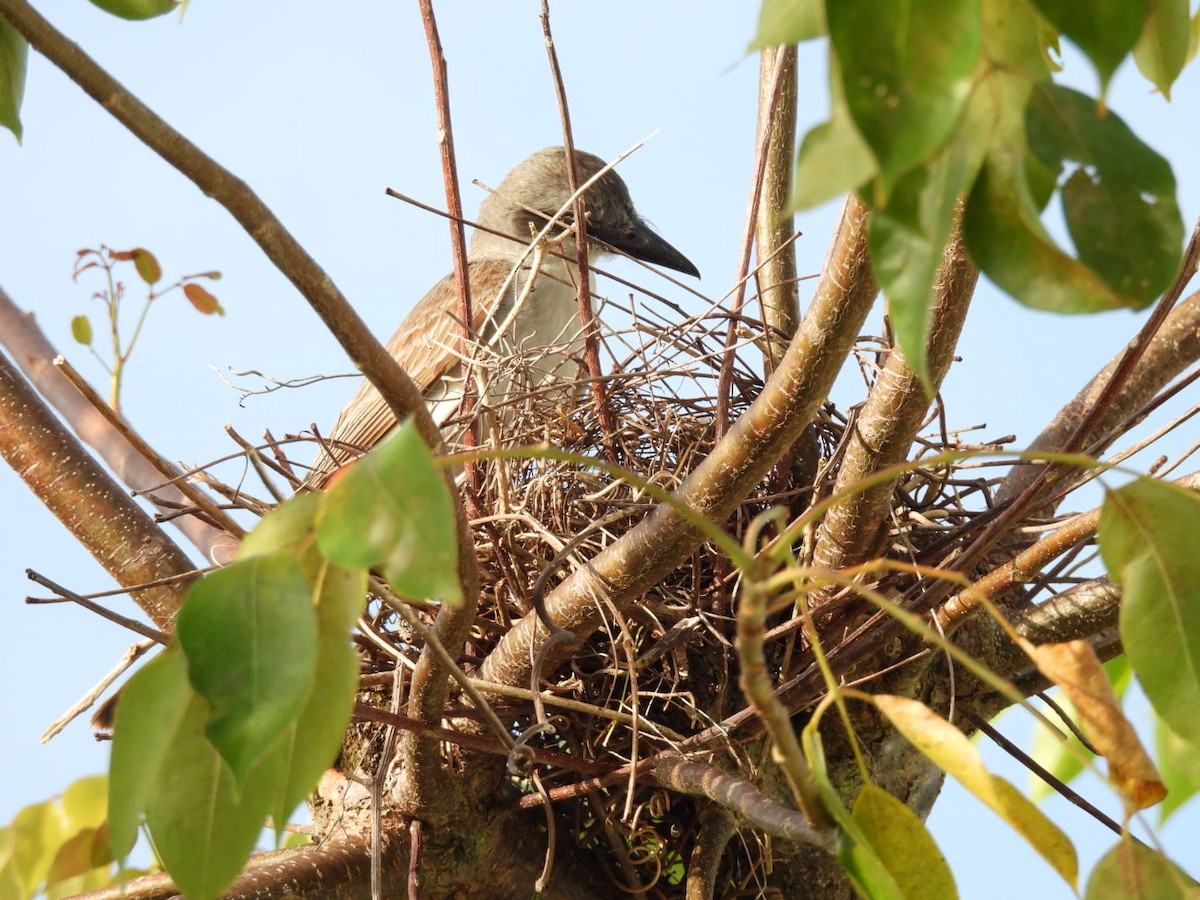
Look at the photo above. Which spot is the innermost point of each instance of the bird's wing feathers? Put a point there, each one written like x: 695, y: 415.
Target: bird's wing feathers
x: 419, y: 345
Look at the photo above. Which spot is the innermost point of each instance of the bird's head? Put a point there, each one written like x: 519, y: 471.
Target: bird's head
x: 539, y: 187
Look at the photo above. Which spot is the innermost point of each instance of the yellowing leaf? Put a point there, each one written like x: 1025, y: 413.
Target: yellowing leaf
x: 949, y: 749
x: 901, y: 843
x: 1077, y: 670
x: 147, y: 265
x: 1133, y: 871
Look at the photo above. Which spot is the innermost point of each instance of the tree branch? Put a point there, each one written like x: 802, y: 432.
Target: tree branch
x: 364, y: 350
x: 894, y: 410
x: 778, y: 290
x: 739, y: 796
x: 87, y: 500
x: 1172, y: 348
x: 789, y: 400
x: 35, y: 356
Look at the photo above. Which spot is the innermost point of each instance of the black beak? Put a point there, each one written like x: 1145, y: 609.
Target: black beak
x: 644, y: 244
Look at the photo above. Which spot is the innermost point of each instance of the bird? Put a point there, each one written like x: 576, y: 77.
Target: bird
x: 524, y: 299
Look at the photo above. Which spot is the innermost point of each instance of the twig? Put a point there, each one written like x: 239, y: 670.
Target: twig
x: 591, y: 350
x: 1043, y: 773
x: 765, y: 127
x: 739, y: 795
x: 201, y: 500
x: 132, y: 655
x: 133, y: 625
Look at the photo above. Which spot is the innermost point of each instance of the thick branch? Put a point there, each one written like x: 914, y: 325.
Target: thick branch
x: 661, y: 541
x: 35, y: 356
x: 777, y: 287
x: 85, y: 498
x: 893, y: 412
x: 1174, y: 347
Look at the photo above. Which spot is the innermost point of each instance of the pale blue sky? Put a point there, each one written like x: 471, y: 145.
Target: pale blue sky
x: 320, y: 111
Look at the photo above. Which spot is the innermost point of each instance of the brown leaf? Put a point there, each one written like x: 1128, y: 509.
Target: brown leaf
x: 1076, y: 668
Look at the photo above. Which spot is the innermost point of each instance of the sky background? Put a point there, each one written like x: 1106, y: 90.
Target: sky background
x: 319, y: 112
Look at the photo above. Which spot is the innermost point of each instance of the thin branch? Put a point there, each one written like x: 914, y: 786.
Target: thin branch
x: 587, y: 318
x: 1171, y: 349
x: 762, y: 139
x: 757, y: 685
x: 152, y: 634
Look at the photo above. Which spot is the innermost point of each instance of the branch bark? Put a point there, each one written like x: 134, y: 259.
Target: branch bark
x: 35, y: 355
x: 894, y: 410
x: 87, y: 500
x: 778, y: 291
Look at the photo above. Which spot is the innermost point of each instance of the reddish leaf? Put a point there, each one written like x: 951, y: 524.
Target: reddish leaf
x: 202, y: 300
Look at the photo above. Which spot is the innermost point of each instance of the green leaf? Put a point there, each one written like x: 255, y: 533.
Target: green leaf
x: 1179, y: 765
x: 1105, y: 30
x: 1006, y: 240
x: 311, y: 744
x: 1120, y: 200
x: 250, y: 636
x: 1148, y: 534
x: 392, y: 510
x: 146, y: 264
x: 81, y: 330
x: 14, y: 54
x: 204, y: 826
x: 1133, y: 871
x: 833, y: 157
x: 949, y: 749
x: 153, y: 703
x: 906, y: 72
x: 788, y: 22
x: 1162, y: 48
x: 900, y: 841
x: 908, y: 241
x: 287, y: 527
x: 137, y: 10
